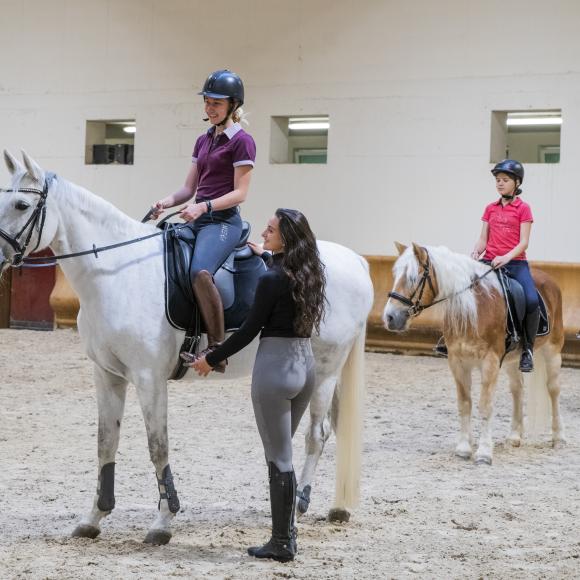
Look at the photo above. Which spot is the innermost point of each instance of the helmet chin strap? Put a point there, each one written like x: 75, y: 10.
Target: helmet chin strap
x: 510, y: 197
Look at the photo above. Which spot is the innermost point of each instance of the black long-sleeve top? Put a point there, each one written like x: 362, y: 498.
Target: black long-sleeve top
x: 273, y: 312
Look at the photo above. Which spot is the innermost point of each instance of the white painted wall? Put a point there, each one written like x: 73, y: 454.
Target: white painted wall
x: 409, y: 87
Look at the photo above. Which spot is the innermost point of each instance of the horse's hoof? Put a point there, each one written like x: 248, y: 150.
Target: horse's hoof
x: 483, y: 460
x: 304, y: 499
x: 338, y: 515
x: 157, y: 537
x: 514, y: 441
x: 84, y: 531
x: 463, y: 454
x: 559, y: 443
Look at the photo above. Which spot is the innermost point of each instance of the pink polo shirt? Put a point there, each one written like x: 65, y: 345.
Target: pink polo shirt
x: 504, y: 227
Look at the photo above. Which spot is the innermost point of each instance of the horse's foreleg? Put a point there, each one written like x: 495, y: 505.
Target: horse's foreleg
x: 111, y: 392
x: 516, y: 381
x: 489, y: 374
x: 553, y: 361
x: 316, y: 436
x: 462, y: 376
x: 153, y: 400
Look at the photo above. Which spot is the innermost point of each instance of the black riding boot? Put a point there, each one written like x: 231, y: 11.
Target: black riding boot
x: 282, y: 544
x: 530, y: 330
x: 441, y: 348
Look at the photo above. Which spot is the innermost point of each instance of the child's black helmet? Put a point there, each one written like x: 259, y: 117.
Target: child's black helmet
x: 511, y: 167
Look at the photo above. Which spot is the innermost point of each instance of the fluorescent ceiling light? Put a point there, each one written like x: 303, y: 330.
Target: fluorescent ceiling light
x: 308, y: 126
x: 130, y: 129
x: 528, y: 121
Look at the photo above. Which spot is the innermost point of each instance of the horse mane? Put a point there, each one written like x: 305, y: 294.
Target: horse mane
x: 455, y: 273
x: 90, y: 205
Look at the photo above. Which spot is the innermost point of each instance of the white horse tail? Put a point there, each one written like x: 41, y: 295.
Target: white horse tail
x: 348, y: 411
x: 539, y: 407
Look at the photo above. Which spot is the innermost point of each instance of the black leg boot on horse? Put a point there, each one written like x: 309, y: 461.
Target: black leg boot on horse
x: 211, y: 307
x: 529, y: 336
x: 282, y: 545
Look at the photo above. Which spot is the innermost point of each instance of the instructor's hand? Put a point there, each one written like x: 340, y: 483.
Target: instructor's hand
x: 201, y: 366
x: 256, y: 248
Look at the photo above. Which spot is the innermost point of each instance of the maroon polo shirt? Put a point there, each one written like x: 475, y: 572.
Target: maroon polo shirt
x: 217, y: 159
x: 504, y: 227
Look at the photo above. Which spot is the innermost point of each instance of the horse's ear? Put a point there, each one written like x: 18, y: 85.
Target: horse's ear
x: 420, y: 253
x: 14, y: 166
x: 400, y: 247
x: 34, y: 170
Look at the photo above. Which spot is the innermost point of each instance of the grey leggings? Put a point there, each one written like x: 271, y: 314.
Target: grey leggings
x: 282, y: 384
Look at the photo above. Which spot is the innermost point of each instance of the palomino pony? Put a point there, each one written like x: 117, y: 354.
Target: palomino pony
x: 474, y: 331
x: 123, y: 325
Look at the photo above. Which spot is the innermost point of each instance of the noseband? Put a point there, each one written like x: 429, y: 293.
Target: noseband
x: 415, y: 307
x: 36, y: 220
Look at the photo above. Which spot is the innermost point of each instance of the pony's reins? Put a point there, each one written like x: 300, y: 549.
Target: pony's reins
x: 39, y: 215
x: 415, y: 308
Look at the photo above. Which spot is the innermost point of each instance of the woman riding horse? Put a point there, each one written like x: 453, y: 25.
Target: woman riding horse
x: 219, y: 179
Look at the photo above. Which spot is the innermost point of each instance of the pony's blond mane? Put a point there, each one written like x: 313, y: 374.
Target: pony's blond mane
x: 455, y: 273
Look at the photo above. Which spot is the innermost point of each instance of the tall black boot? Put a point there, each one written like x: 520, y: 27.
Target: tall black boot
x: 282, y: 544
x: 530, y: 330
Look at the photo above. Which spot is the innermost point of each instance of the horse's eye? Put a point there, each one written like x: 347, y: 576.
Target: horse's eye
x: 22, y: 205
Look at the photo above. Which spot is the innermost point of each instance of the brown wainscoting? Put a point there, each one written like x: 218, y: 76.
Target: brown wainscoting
x: 426, y: 329
x: 5, y: 285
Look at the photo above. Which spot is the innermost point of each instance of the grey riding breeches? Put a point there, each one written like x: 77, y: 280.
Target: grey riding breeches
x: 282, y: 384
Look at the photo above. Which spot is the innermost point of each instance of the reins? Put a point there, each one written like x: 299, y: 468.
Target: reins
x: 39, y: 215
x: 415, y: 308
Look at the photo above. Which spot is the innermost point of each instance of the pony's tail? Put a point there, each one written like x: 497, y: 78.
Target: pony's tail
x: 539, y: 408
x: 348, y: 424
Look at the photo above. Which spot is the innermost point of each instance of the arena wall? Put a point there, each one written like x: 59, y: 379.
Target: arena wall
x: 409, y: 87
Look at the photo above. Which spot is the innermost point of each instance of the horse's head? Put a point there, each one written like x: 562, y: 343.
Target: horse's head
x: 25, y: 223
x: 415, y: 287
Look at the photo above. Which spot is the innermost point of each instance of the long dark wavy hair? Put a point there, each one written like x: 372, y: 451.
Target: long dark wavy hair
x: 301, y: 263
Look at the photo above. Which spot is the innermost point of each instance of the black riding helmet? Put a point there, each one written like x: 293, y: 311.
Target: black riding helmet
x: 224, y: 84
x: 514, y: 169
x: 511, y: 167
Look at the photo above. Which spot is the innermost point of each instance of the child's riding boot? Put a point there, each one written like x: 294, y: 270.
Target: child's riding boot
x: 530, y: 330
x: 282, y: 544
x: 210, y: 305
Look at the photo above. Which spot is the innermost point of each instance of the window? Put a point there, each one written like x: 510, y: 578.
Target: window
x: 528, y: 136
x: 299, y: 139
x: 110, y: 142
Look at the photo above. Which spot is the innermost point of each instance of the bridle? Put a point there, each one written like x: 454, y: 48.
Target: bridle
x: 415, y: 307
x: 36, y: 220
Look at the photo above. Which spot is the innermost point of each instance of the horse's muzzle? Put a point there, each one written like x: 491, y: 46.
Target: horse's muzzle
x: 395, y: 319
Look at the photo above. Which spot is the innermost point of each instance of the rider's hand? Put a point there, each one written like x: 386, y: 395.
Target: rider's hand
x: 158, y: 208
x: 500, y: 261
x: 201, y: 366
x: 256, y: 248
x: 191, y: 212
x: 475, y: 254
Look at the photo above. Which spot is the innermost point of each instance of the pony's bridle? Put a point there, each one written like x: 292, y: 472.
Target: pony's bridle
x: 36, y: 220
x: 415, y: 307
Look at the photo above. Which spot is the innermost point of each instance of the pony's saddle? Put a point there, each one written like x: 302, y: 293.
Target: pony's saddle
x: 516, y: 310
x: 236, y: 280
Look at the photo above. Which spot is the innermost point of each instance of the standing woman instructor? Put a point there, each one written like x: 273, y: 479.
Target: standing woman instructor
x: 219, y: 179
x: 288, y: 307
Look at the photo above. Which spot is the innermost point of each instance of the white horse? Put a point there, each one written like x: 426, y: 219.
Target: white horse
x: 124, y: 328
